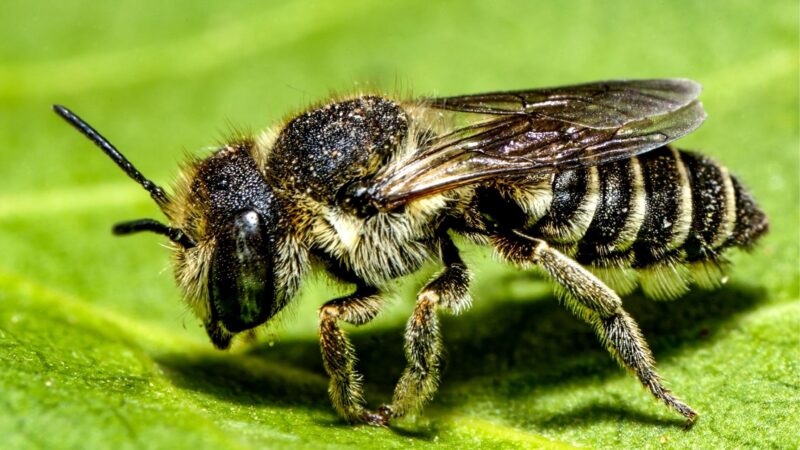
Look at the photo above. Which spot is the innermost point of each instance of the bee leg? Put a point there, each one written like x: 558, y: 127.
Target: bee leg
x: 423, y: 343
x: 593, y: 301
x: 338, y: 355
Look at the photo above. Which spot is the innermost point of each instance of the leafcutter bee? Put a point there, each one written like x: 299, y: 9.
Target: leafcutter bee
x: 579, y: 181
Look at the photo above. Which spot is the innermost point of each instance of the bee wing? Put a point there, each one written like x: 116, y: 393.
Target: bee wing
x: 606, y: 104
x: 539, y: 131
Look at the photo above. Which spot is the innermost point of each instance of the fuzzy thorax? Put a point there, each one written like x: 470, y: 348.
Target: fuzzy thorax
x: 382, y: 247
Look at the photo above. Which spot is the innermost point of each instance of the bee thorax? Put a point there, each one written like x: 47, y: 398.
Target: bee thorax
x: 378, y: 248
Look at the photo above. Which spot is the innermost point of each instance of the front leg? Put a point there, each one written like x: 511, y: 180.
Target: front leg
x: 338, y: 354
x: 423, y: 347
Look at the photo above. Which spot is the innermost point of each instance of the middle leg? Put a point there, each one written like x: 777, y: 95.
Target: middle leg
x: 448, y: 291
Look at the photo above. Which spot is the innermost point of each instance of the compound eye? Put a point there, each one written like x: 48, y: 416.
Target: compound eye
x: 241, y: 280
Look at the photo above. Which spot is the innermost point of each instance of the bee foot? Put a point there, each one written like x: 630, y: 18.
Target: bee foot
x: 690, y: 421
x: 375, y: 419
x: 386, y: 411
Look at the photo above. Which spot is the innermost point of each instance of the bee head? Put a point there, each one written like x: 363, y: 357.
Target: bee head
x: 238, y: 223
x: 226, y: 235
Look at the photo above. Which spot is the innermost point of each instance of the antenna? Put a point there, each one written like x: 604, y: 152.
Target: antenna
x: 79, y: 124
x: 134, y: 226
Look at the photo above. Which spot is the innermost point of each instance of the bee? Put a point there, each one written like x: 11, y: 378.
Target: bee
x: 579, y: 181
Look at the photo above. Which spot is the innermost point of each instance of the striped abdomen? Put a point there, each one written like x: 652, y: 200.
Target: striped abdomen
x: 661, y: 213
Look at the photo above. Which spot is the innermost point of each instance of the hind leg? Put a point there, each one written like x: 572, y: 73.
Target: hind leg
x: 598, y: 305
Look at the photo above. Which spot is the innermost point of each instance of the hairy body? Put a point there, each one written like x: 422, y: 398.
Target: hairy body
x: 579, y: 181
x: 663, y: 219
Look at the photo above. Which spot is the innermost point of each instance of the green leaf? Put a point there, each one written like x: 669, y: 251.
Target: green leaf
x: 97, y: 350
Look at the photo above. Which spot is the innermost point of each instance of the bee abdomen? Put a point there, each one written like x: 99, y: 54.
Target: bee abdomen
x: 575, y: 195
x: 663, y: 218
x: 669, y: 214
x: 714, y: 215
x: 669, y: 207
x: 725, y: 215
x: 619, y: 215
x: 751, y: 222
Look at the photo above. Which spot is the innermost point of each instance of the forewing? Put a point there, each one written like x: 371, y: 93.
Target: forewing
x: 526, y: 132
x: 607, y: 104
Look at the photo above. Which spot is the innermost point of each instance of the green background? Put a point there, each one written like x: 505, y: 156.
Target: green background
x: 97, y: 350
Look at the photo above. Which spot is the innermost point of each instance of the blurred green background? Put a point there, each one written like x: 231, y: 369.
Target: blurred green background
x: 97, y: 350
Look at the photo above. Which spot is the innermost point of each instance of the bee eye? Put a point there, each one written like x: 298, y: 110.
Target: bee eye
x: 241, y: 279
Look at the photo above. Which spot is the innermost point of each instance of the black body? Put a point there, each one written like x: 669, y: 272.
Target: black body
x: 323, y: 149
x: 569, y: 179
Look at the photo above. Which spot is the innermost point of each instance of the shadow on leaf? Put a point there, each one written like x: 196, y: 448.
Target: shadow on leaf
x: 505, y: 349
x: 607, y: 412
